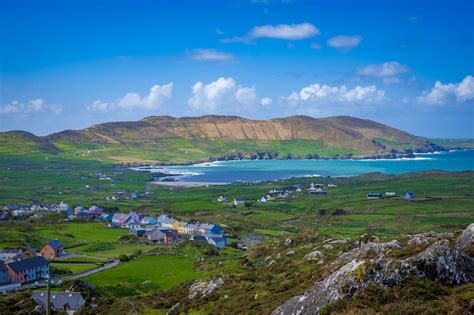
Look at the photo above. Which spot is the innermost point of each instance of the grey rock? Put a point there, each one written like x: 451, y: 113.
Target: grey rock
x: 204, y: 288
x: 466, y: 239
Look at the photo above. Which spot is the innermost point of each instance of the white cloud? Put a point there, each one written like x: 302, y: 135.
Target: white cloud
x: 386, y: 69
x: 344, y: 41
x: 154, y: 99
x: 98, y: 106
x: 210, y: 55
x: 221, y: 92
x: 280, y: 31
x: 266, y: 101
x: 324, y: 94
x: 443, y: 93
x: 33, y: 106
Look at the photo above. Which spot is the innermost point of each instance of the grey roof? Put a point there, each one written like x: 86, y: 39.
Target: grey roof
x: 2, y: 266
x: 74, y: 300
x: 28, y: 263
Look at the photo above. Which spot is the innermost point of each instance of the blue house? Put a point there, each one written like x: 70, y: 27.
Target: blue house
x: 149, y: 221
x: 27, y: 270
x: 374, y: 195
x: 409, y: 196
x: 217, y: 241
x: 106, y: 217
x: 209, y: 229
x: 3, y: 273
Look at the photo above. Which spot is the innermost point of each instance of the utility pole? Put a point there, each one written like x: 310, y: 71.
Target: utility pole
x: 48, y: 295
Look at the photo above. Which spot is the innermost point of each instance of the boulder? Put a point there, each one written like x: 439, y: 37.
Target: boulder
x: 204, y: 288
x: 466, y: 240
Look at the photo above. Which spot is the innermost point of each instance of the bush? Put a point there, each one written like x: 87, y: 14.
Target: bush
x: 123, y: 258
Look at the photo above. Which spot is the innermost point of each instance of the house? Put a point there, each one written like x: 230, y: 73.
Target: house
x: 252, y: 241
x: 52, y: 250
x: 390, y: 194
x: 8, y: 255
x: 131, y: 222
x: 217, y: 241
x: 317, y: 191
x: 149, y: 221
x: 157, y: 235
x: 263, y: 200
x: 60, y: 301
x: 270, y: 197
x: 298, y: 189
x: 332, y: 185
x: 138, y: 231
x: 374, y: 195
x: 409, y: 196
x: 119, y: 218
x: 175, y: 225
x: 79, y: 209
x: 27, y: 270
x: 165, y: 220
x: 95, y: 210
x: 3, y: 273
x: 106, y: 217
x: 222, y: 199
x: 182, y: 227
x: 191, y: 229
x: 239, y: 201
x: 283, y: 195
x: 170, y: 237
x: 209, y: 229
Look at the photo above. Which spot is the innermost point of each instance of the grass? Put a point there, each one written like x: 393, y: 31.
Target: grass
x: 73, y: 268
x: 146, y: 274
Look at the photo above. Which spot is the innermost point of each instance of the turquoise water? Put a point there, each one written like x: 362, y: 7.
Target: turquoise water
x: 259, y: 170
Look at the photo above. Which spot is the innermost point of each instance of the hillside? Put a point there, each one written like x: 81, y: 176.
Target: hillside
x: 182, y: 140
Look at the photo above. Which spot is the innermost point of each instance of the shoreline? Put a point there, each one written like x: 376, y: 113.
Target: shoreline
x: 191, y: 184
x: 401, y: 156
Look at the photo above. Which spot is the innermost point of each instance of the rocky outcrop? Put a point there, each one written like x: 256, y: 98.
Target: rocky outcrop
x: 466, y: 240
x: 204, y: 288
x: 369, y: 265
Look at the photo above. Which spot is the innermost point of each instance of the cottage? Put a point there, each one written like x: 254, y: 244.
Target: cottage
x: 239, y: 201
x: 263, y: 200
x: 8, y: 255
x: 131, y: 222
x: 252, y: 241
x: 217, y: 241
x: 3, y: 273
x: 182, y: 227
x: 79, y: 209
x: 389, y: 194
x: 222, y: 199
x: 409, y: 196
x: 27, y: 270
x: 61, y: 301
x: 52, y: 250
x: 157, y: 235
x: 270, y: 197
x: 332, y: 185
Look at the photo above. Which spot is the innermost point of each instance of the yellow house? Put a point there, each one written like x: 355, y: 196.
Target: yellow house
x: 175, y: 225
x: 182, y: 227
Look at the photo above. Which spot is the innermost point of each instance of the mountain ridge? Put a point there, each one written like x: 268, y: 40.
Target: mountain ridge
x: 212, y: 137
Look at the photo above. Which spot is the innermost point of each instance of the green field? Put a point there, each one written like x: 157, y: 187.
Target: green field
x: 146, y: 274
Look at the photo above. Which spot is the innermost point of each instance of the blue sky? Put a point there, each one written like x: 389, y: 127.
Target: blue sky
x: 69, y: 64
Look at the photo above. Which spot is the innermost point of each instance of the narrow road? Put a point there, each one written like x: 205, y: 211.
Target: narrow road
x: 92, y: 271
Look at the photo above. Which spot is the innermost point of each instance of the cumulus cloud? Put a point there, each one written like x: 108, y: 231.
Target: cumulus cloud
x: 344, y: 41
x: 280, y: 31
x: 33, y: 106
x: 131, y: 101
x: 386, y: 69
x: 221, y: 92
x: 266, y: 101
x: 325, y: 94
x: 443, y: 93
x: 210, y: 55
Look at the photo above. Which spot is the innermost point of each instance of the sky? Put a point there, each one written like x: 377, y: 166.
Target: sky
x: 71, y: 64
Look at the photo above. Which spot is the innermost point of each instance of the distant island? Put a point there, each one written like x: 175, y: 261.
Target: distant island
x: 168, y: 140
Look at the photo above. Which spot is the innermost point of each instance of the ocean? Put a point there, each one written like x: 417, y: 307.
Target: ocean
x: 262, y: 170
